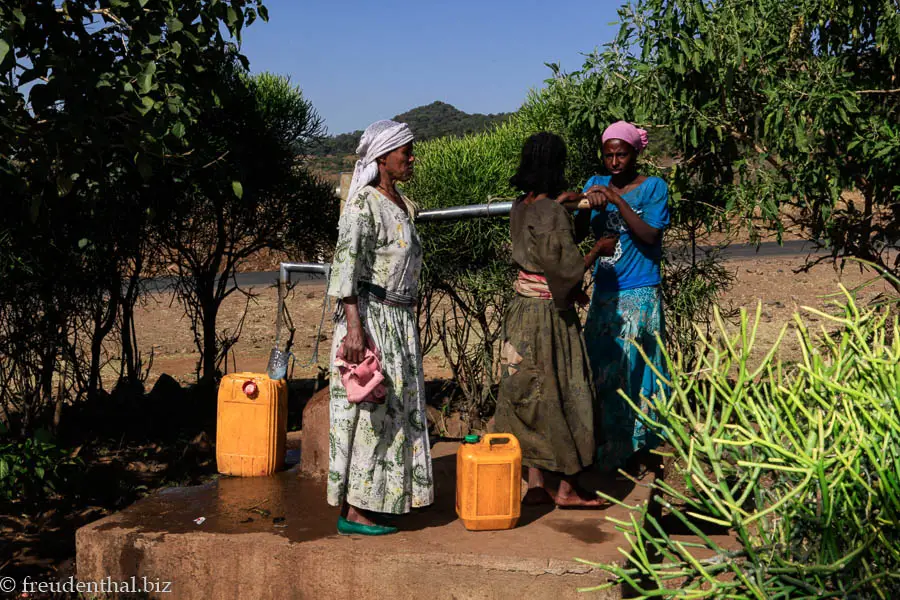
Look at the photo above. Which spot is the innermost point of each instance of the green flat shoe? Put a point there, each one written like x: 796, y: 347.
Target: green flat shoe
x: 346, y: 527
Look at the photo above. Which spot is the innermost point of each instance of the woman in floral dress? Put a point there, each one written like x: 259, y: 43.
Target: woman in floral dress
x: 380, y: 458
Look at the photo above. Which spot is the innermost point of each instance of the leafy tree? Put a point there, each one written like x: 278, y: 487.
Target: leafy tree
x: 243, y: 190
x: 771, y: 105
x: 95, y: 101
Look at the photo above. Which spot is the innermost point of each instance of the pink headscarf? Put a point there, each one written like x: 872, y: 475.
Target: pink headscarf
x: 628, y: 133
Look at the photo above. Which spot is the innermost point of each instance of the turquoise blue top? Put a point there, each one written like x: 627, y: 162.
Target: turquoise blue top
x: 634, y: 263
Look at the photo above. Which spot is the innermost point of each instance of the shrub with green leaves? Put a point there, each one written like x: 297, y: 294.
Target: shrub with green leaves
x: 800, y: 463
x: 767, y: 105
x: 32, y: 468
x: 579, y: 107
x: 467, y: 267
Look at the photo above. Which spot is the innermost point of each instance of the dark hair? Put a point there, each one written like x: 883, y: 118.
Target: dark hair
x: 542, y: 168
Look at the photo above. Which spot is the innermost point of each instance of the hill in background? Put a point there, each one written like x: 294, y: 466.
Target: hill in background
x: 434, y: 120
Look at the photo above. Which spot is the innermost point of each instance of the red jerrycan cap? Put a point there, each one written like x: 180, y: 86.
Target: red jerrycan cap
x: 250, y: 388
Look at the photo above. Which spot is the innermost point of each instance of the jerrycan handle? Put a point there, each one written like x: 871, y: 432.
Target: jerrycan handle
x: 501, y: 439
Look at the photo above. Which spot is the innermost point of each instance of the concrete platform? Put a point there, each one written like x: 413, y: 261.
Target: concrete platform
x: 433, y: 556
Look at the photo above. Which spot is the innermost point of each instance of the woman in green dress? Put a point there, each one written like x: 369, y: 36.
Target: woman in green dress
x: 380, y: 461
x: 546, y: 396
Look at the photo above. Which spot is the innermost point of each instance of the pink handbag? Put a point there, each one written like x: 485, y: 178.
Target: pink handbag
x: 364, y: 382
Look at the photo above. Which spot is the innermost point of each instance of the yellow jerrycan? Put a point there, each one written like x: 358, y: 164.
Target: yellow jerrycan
x: 489, y: 482
x: 251, y: 425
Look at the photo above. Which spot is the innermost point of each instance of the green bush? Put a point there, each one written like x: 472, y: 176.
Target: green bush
x: 32, y: 468
x: 801, y: 464
x: 578, y: 107
x: 467, y: 266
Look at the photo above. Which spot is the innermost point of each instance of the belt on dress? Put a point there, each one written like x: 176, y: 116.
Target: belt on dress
x: 386, y: 296
x: 532, y: 285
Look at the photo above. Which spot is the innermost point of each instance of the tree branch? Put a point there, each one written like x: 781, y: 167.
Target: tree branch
x: 894, y: 91
x: 770, y: 158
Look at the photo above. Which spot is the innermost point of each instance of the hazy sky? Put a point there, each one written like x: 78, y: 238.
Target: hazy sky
x: 359, y: 61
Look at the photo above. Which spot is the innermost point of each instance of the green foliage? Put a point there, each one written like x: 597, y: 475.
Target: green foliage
x: 130, y: 133
x: 769, y: 104
x: 286, y: 113
x: 428, y: 122
x: 472, y: 286
x: 32, y: 468
x: 243, y: 190
x: 87, y: 77
x: 799, y: 462
x: 97, y: 101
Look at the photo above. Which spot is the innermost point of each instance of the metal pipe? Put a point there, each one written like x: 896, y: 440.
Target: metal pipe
x: 452, y: 213
x: 284, y: 278
x: 287, y: 268
x: 475, y: 211
x: 470, y: 211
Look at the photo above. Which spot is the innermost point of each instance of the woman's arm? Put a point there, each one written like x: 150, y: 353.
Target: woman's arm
x: 353, y: 252
x: 605, y: 246
x: 582, y: 220
x: 355, y: 340
x: 643, y: 232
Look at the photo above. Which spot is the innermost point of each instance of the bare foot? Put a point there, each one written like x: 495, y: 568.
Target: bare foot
x: 537, y: 495
x: 571, y: 496
x: 578, y: 501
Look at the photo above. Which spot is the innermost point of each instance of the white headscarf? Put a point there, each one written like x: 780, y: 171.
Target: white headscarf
x: 378, y: 139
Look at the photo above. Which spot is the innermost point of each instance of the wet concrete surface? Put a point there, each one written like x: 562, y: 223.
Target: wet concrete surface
x: 259, y: 530
x: 283, y: 504
x: 589, y: 531
x: 295, y: 508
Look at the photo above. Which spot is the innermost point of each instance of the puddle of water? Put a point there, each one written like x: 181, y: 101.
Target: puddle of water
x: 589, y: 531
x: 238, y: 505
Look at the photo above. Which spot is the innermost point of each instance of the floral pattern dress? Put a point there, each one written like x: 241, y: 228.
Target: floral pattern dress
x: 380, y: 457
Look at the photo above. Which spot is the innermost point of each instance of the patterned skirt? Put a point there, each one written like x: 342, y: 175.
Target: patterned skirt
x: 380, y: 456
x: 614, y: 320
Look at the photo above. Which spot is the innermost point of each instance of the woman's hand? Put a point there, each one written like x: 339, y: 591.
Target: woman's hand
x: 597, y: 199
x: 569, y: 197
x: 612, y: 197
x: 645, y: 233
x: 355, y: 345
x: 606, y: 246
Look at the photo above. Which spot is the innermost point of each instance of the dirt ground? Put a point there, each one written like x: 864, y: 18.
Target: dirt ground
x: 163, y: 330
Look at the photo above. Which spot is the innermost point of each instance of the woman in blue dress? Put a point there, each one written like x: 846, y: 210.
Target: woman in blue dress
x: 626, y: 306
